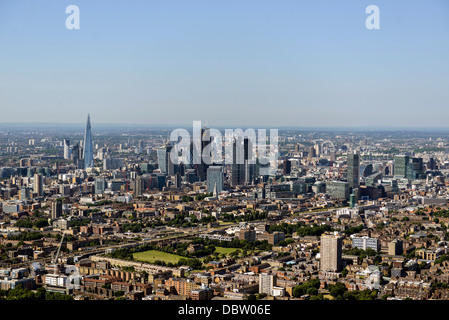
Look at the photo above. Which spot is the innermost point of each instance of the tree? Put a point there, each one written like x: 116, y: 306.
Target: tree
x: 119, y: 293
x: 312, y: 291
x: 40, y: 223
x: 311, y: 287
x: 318, y: 297
x: 337, y: 289
x: 24, y: 223
x: 261, y: 296
x: 21, y: 293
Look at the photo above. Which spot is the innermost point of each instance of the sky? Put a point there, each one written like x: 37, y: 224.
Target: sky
x: 248, y: 63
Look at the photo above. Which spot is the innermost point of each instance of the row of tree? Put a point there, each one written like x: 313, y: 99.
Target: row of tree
x: 21, y: 293
x: 28, y: 223
x: 300, y: 228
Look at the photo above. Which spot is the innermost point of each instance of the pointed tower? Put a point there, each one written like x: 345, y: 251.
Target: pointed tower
x: 88, y: 150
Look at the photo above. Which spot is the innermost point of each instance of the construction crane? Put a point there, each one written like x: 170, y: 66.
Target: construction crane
x: 54, y: 260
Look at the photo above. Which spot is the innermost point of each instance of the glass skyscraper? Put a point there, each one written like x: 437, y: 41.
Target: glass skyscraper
x: 88, y: 151
x: 353, y: 170
x: 214, y: 178
x: 400, y: 165
x: 164, y: 160
x: 242, y: 171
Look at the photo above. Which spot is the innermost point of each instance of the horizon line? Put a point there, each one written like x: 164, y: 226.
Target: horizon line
x: 365, y: 128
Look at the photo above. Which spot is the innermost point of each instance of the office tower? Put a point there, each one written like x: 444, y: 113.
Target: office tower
x: 312, y: 153
x: 242, y: 171
x: 250, y: 168
x: 181, y: 169
x: 139, y: 186
x: 251, y: 172
x: 177, y: 181
x: 276, y: 237
x: 140, y: 147
x: 415, y: 168
x: 64, y: 189
x: 160, y: 180
x: 330, y: 253
x: 395, y: 248
x: 353, y: 170
x: 100, y: 185
x: 215, y: 179
x: 287, y: 167
x: 401, y: 165
x: 101, y: 153
x: 431, y: 165
x: 165, y: 161
x: 56, y: 209
x: 66, y: 144
x: 365, y: 243
x: 337, y: 189
x: 112, y: 163
x: 247, y: 234
x: 88, y: 149
x: 190, y: 176
x: 318, y: 187
x: 317, y: 150
x: 38, y: 184
x: 24, y: 193
x: 352, y: 200
x: 266, y: 283
x: 75, y: 154
x: 237, y: 165
x: 201, y: 168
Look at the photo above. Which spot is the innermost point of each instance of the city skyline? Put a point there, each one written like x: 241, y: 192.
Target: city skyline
x: 251, y: 154
x: 288, y: 64
x: 343, y: 216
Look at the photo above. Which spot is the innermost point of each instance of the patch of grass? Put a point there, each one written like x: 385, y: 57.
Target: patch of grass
x: 153, y: 255
x: 196, y: 271
x: 226, y: 251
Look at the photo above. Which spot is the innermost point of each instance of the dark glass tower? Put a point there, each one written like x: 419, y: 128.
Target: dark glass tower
x: 401, y: 166
x: 242, y: 172
x: 353, y: 170
x: 88, y: 151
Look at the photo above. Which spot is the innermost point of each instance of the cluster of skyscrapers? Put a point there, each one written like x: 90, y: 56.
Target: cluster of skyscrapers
x: 81, y: 154
x: 242, y: 170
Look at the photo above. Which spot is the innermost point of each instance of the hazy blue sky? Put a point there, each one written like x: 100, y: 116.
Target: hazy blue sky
x: 250, y: 63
